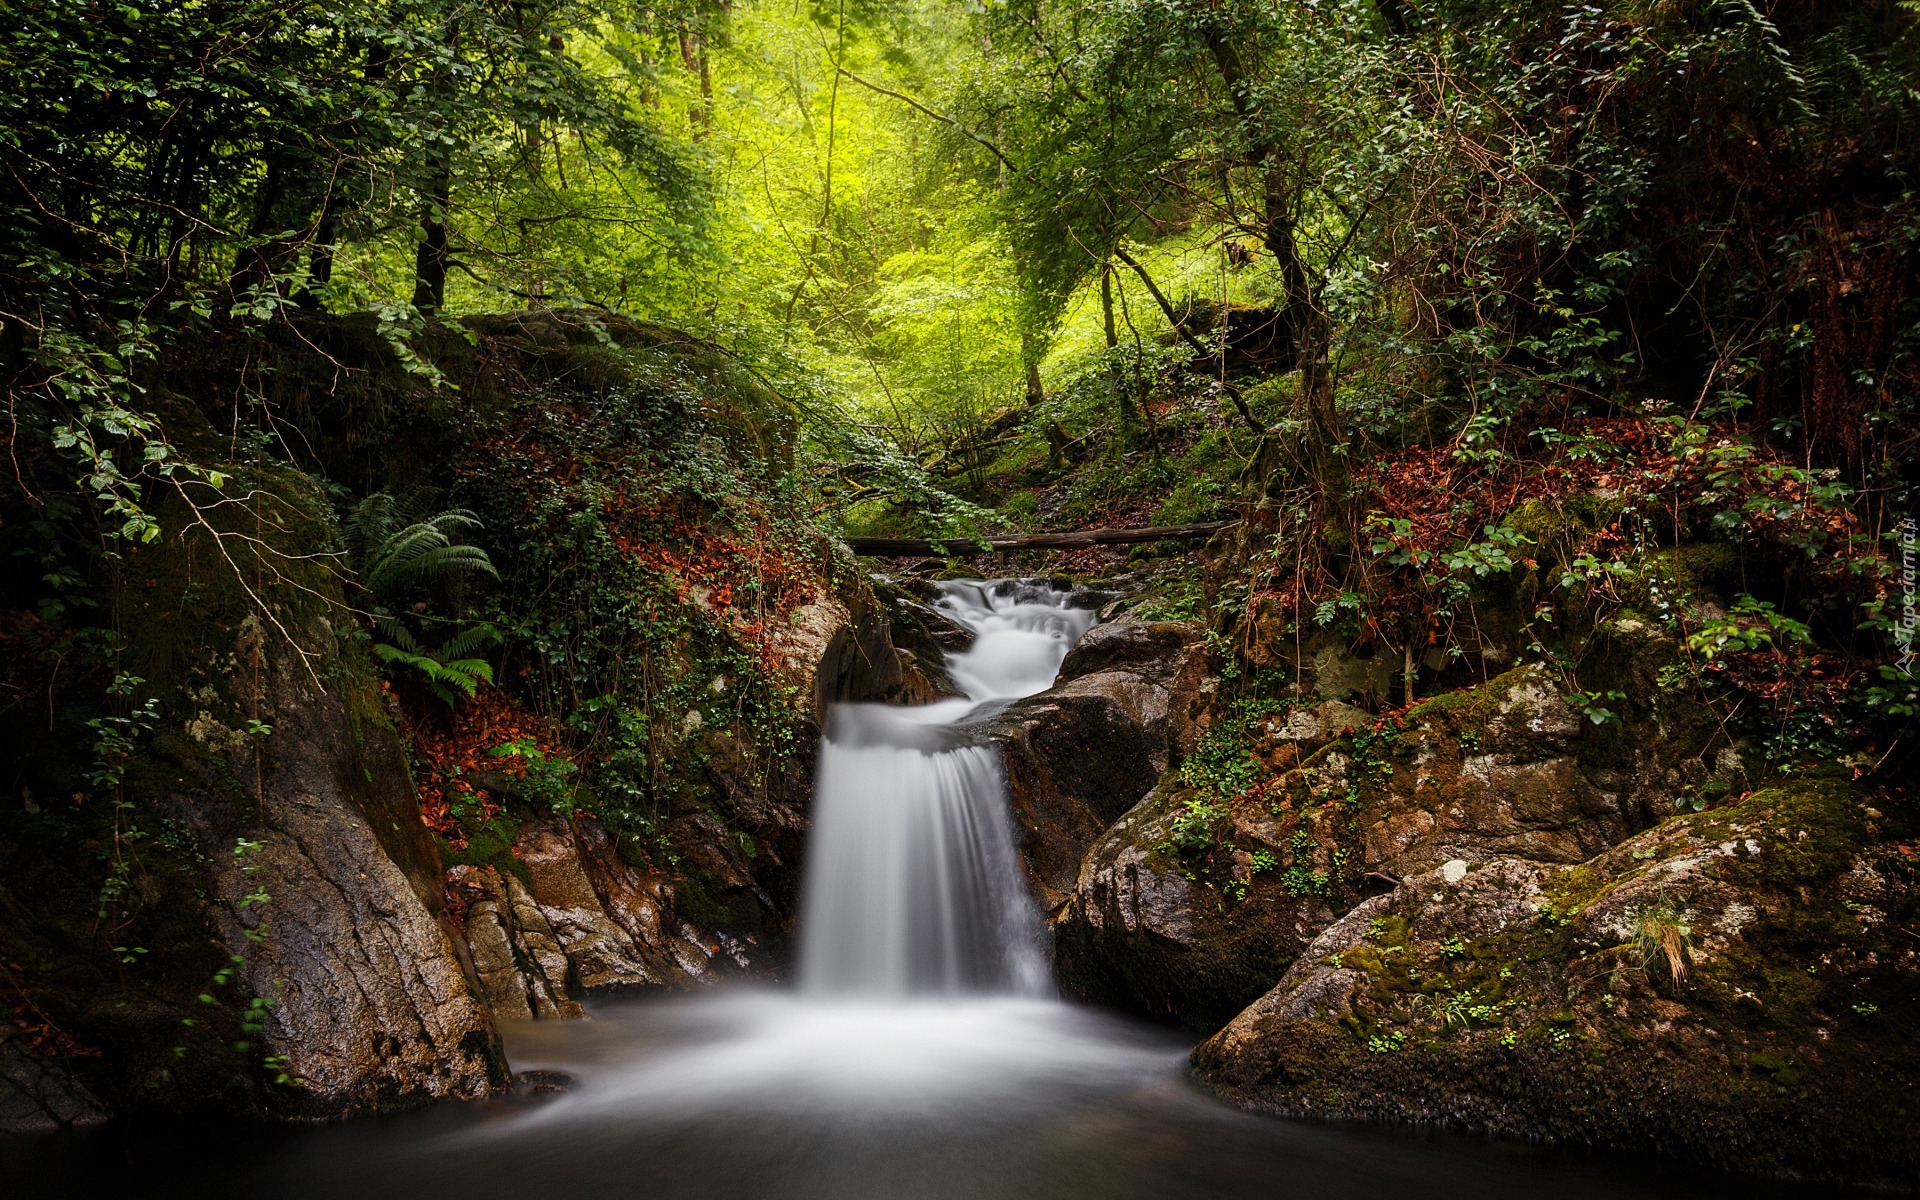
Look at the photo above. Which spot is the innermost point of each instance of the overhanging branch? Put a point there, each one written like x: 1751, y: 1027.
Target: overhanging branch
x: 940, y: 117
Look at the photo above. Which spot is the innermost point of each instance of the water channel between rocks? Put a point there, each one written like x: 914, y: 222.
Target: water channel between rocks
x: 921, y: 1054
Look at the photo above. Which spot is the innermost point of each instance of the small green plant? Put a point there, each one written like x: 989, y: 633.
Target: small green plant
x: 1344, y: 614
x: 1192, y: 830
x: 1510, y: 1039
x: 1262, y: 861
x: 1700, y: 800
x: 1660, y: 931
x: 1674, y: 676
x: 453, y: 666
x: 1387, y: 1043
x: 1752, y: 625
x: 1866, y: 1010
x: 1593, y: 705
x: 1453, y: 947
x: 546, y: 778
x: 1298, y: 881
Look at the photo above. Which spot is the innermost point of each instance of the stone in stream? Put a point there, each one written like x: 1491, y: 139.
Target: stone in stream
x: 1735, y: 986
x: 1083, y: 752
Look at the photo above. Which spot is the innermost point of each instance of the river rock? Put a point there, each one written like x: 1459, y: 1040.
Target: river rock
x: 1349, y: 805
x: 1141, y: 932
x: 1082, y: 753
x: 602, y: 953
x: 516, y: 955
x: 1738, y: 986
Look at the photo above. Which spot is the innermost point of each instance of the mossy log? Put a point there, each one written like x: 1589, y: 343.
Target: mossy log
x: 1075, y: 540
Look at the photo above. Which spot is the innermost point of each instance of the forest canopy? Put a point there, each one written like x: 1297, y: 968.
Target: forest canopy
x: 953, y: 235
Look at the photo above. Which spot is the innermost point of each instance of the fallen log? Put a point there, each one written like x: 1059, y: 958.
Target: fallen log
x: 1076, y: 540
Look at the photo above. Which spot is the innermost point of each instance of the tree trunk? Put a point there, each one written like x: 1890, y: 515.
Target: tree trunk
x: 430, y: 263
x: 320, y: 262
x: 1106, y: 302
x: 1030, y: 356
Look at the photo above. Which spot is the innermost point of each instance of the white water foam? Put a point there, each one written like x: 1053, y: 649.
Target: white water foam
x: 914, y: 885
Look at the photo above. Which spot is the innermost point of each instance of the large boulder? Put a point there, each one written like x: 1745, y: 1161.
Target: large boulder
x: 1737, y: 986
x: 1142, y: 931
x: 1084, y: 752
x: 320, y: 883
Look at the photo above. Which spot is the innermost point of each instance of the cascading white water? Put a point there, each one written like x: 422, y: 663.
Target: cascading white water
x: 913, y: 883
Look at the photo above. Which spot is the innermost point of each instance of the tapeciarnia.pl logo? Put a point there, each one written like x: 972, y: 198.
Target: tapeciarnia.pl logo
x: 1903, y: 629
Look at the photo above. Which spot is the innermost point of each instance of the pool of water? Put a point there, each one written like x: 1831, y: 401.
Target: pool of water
x: 770, y: 1095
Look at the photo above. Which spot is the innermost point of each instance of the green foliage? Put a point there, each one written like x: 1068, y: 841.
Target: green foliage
x: 1192, y: 830
x: 1752, y: 625
x: 1592, y: 705
x: 394, y: 552
x: 547, y: 779
x: 397, y: 555
x: 450, y: 669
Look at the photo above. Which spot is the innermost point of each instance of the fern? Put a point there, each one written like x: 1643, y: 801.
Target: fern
x: 394, y: 552
x: 396, y: 546
x: 451, y: 666
x: 1763, y: 39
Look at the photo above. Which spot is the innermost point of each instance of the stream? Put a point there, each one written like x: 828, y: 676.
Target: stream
x: 921, y: 1054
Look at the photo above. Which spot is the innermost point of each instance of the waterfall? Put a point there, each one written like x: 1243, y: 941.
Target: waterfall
x: 913, y: 882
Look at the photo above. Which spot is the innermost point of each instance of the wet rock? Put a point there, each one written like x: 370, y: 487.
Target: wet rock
x: 544, y: 1083
x: 1142, y: 932
x: 318, y: 875
x: 1733, y: 986
x: 39, y: 1094
x: 642, y: 903
x: 1081, y: 754
x: 516, y: 956
x: 601, y: 952
x: 875, y: 642
x: 923, y: 636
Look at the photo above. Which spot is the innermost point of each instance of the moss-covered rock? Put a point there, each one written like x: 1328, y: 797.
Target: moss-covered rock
x: 1144, y: 931
x: 1735, y: 986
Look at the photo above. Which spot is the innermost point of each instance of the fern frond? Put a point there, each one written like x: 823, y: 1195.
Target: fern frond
x: 396, y: 632
x: 422, y: 551
x: 464, y: 643
x: 467, y: 673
